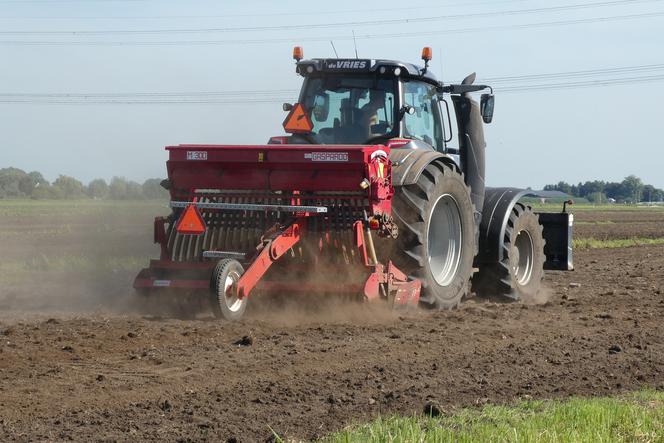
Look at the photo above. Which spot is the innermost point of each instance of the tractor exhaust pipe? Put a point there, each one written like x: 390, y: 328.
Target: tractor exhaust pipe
x: 471, y: 146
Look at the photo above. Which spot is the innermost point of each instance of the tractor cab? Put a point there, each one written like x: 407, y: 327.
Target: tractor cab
x: 362, y: 101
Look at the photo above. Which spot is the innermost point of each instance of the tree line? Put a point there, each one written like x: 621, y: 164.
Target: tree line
x: 630, y: 190
x: 16, y: 183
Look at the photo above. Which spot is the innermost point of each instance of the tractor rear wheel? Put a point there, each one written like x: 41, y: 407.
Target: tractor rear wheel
x: 225, y: 301
x: 519, y: 273
x: 436, y: 242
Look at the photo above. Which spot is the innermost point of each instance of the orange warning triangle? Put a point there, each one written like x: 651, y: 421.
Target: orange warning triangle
x: 190, y: 222
x: 298, y: 120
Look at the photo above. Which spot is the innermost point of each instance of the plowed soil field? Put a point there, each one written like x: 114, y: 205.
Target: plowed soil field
x: 77, y: 363
x: 620, y: 224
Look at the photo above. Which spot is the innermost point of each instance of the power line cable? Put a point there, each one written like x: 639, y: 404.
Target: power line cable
x: 499, y: 82
x: 539, y: 25
x: 257, y: 100
x: 582, y: 84
x: 271, y: 14
x: 70, y: 1
x: 572, y: 74
x: 148, y: 94
x: 309, y: 26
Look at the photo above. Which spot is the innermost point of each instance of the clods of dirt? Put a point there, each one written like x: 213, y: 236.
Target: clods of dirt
x: 246, y: 340
x: 614, y: 349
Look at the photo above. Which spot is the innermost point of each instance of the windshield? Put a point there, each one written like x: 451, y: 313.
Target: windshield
x: 350, y: 109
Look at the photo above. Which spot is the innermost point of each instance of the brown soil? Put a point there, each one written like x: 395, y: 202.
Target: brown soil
x: 122, y: 377
x: 75, y: 363
x: 644, y: 222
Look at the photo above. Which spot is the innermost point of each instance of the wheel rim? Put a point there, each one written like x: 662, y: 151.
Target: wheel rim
x: 233, y: 302
x: 523, y: 260
x: 444, y: 239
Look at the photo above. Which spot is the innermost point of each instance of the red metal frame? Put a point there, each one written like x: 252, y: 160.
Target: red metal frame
x: 272, y: 250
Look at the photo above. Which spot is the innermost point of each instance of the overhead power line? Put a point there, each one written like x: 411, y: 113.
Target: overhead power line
x: 259, y: 14
x: 508, y: 84
x: 392, y: 35
x: 148, y: 94
x: 69, y: 1
x: 309, y: 26
x: 581, y: 84
x: 573, y: 74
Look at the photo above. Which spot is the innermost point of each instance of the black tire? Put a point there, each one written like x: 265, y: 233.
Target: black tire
x: 445, y: 277
x: 229, y: 308
x: 519, y: 273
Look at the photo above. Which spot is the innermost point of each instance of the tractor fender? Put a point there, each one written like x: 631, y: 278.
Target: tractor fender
x: 498, y: 204
x: 408, y: 164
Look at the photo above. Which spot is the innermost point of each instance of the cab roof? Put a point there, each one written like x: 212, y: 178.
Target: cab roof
x: 355, y: 65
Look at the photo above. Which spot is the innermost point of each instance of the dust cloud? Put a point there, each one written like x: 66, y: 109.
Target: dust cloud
x: 307, y: 309
x: 70, y: 258
x: 540, y: 298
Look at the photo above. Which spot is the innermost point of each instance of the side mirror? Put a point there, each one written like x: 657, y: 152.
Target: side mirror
x: 287, y: 107
x: 486, y: 107
x: 406, y: 109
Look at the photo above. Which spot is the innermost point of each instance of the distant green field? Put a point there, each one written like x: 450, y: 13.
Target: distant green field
x: 593, y: 243
x: 102, y: 236
x: 555, y: 207
x: 636, y: 417
x: 90, y: 238
x: 26, y: 207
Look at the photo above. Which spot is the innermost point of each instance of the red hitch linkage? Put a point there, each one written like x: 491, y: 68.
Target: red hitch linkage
x: 281, y: 242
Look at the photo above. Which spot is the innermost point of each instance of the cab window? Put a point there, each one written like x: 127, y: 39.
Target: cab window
x: 425, y: 123
x: 350, y: 109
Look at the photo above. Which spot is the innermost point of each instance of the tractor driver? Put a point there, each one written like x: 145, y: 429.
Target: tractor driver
x: 369, y: 112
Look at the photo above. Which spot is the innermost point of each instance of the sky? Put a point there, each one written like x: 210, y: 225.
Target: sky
x: 97, y: 88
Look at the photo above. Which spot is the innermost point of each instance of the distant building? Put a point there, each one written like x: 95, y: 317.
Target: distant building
x: 551, y: 194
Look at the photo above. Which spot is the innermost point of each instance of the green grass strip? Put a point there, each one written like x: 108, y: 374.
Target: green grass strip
x: 75, y: 208
x: 585, y: 207
x: 637, y: 417
x: 593, y: 243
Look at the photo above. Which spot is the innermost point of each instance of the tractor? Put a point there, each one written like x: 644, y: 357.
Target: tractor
x: 378, y: 191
